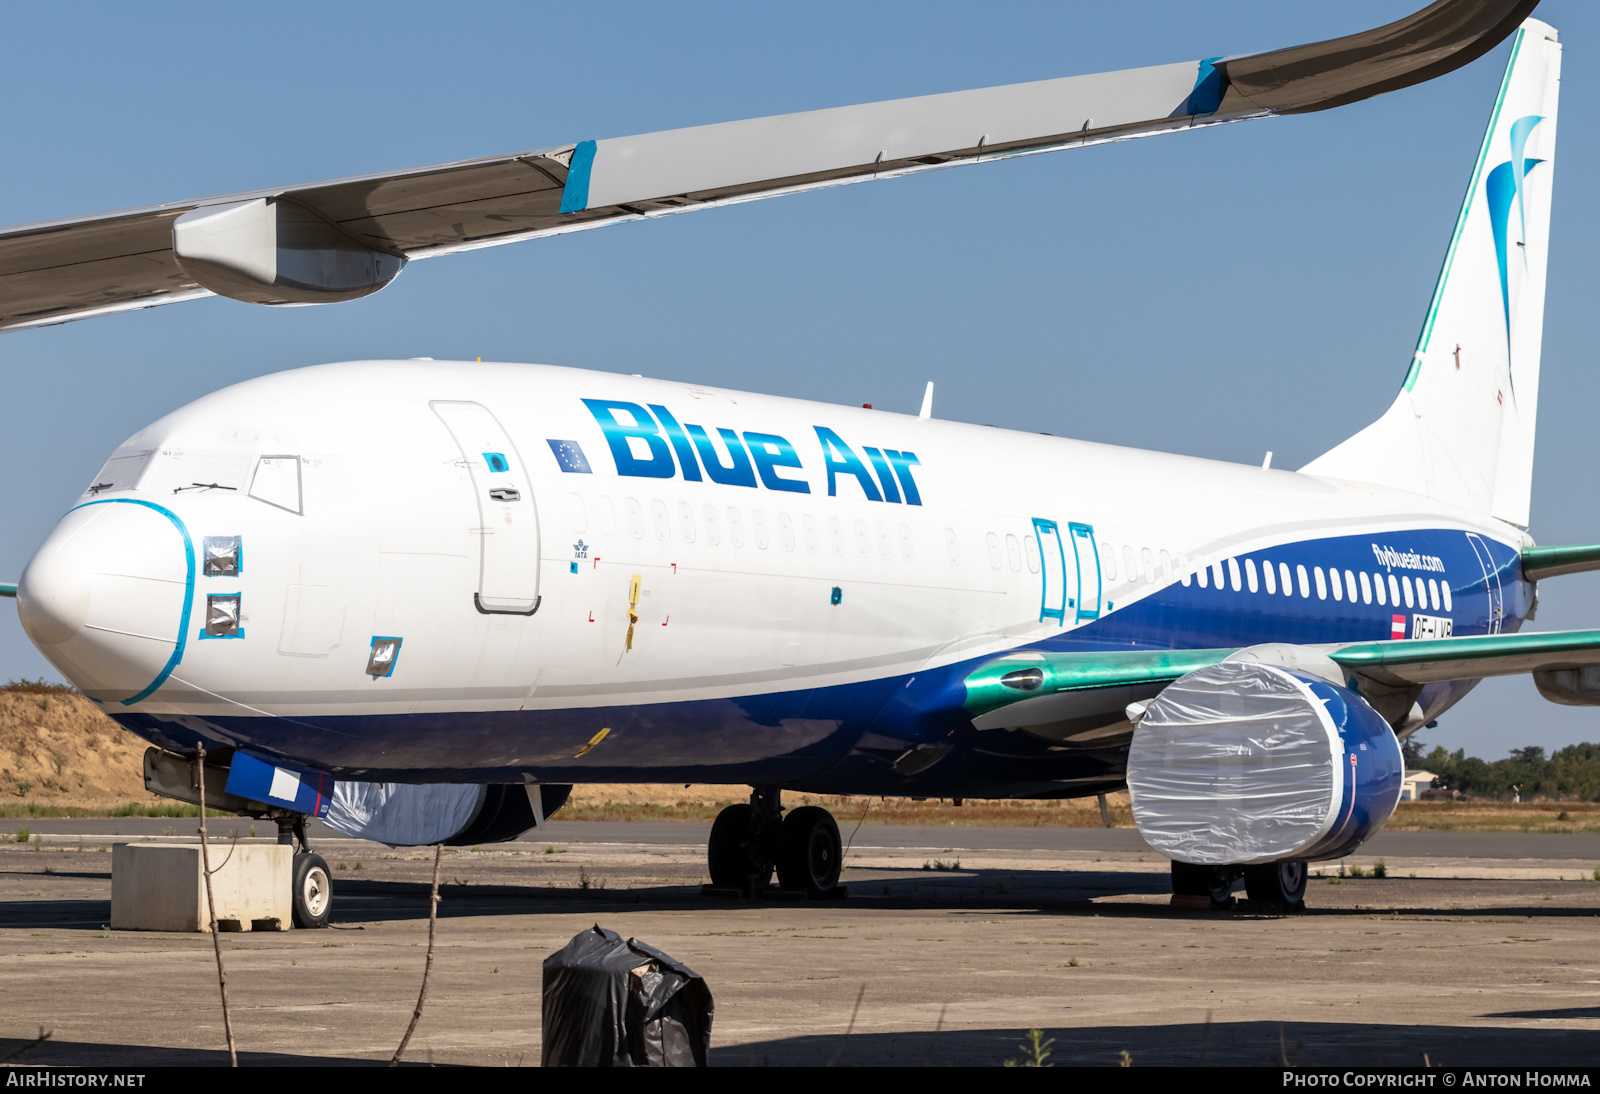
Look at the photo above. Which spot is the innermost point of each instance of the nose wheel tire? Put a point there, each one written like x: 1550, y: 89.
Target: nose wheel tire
x: 312, y: 894
x: 809, y: 851
x: 1282, y: 883
x: 733, y: 855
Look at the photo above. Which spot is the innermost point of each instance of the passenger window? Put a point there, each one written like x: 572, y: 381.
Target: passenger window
x: 1250, y: 574
x: 1233, y: 575
x: 863, y: 544
x: 1269, y: 576
x: 1405, y: 587
x: 908, y: 546
x: 952, y: 548
x: 786, y: 531
x: 885, y: 544
x: 1204, y: 573
x: 1444, y: 587
x: 1305, y: 582
x: 1130, y: 566
x: 635, y: 518
x: 1366, y: 588
x: 735, y: 526
x: 1030, y: 547
x: 1167, y: 565
x: 758, y: 528
x: 1394, y: 592
x: 605, y: 515
x: 1108, y: 560
x: 1216, y: 574
x: 1014, y: 552
x: 994, y: 551
x: 686, y: 521
x: 836, y: 536
x: 1147, y: 561
x: 1433, y: 593
x: 575, y: 513
x: 709, y: 515
x: 1322, y: 585
x: 1283, y: 577
x: 1383, y: 595
x: 1333, y: 584
x: 813, y: 537
x: 663, y: 522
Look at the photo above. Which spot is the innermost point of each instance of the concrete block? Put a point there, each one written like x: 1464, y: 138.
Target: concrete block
x: 159, y: 886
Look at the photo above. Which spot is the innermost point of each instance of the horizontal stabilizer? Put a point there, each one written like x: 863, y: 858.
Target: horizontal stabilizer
x: 1542, y: 562
x: 344, y: 238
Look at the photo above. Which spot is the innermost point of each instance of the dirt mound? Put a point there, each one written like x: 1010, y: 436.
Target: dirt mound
x: 57, y: 749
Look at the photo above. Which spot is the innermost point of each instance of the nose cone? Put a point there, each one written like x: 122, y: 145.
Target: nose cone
x: 107, y: 596
x: 53, y: 598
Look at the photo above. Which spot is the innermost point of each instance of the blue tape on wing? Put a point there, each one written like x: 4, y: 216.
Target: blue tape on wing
x: 575, y: 195
x: 302, y: 789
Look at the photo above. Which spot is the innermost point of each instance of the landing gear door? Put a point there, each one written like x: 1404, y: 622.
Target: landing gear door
x: 507, y: 534
x: 1053, y: 571
x: 1088, y: 559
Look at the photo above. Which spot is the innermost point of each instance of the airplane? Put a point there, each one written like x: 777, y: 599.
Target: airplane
x: 422, y: 599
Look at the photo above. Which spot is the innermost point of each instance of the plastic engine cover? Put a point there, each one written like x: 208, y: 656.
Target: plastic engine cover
x: 1243, y: 762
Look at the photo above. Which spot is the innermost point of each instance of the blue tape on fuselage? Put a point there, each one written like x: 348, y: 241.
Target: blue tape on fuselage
x: 575, y: 195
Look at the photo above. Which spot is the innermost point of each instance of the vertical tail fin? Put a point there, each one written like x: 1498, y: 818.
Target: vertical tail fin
x: 1462, y: 428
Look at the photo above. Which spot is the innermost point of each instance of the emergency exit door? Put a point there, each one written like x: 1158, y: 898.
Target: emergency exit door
x: 1068, y: 588
x: 507, y: 534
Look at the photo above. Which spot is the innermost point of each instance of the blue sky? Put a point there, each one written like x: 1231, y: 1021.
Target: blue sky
x: 1219, y: 293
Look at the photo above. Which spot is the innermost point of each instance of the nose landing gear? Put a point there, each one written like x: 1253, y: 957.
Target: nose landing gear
x: 749, y: 841
x: 311, y: 892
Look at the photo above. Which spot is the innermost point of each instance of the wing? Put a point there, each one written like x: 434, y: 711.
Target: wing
x: 1074, y: 693
x: 346, y: 238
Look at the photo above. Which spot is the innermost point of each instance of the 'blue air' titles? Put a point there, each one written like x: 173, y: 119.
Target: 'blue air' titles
x: 652, y: 444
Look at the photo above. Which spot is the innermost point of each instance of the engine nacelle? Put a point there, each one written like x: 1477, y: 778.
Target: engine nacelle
x: 1243, y: 762
x: 457, y: 814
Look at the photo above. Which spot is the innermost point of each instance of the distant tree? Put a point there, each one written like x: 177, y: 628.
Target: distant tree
x: 1533, y: 754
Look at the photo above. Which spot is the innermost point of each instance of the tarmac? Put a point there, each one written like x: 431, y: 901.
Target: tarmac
x: 1473, y: 949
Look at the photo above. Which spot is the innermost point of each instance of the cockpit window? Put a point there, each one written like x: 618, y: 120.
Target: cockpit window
x: 277, y: 482
x: 121, y: 472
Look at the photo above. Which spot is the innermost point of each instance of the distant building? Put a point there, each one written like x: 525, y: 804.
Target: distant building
x: 1415, y: 783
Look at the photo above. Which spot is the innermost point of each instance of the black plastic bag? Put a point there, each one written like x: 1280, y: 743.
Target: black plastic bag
x: 610, y: 1003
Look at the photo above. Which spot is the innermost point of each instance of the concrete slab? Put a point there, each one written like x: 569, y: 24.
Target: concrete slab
x: 161, y: 887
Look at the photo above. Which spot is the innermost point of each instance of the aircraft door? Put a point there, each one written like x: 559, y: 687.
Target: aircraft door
x: 1088, y: 559
x: 1052, y: 571
x: 1491, y: 581
x: 508, y: 522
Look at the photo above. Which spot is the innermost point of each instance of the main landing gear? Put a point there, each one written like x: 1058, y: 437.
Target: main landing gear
x: 1281, y: 883
x: 311, y: 893
x: 749, y: 841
